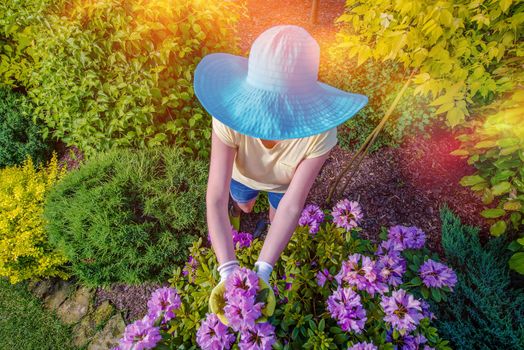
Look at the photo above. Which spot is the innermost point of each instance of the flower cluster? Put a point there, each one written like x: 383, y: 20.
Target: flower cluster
x: 347, y: 214
x: 402, y: 237
x: 241, y: 309
x: 402, y: 310
x: 145, y: 333
x: 363, y: 273
x: 345, y: 306
x: 437, y: 275
x: 240, y: 239
x: 363, y: 346
x: 312, y: 216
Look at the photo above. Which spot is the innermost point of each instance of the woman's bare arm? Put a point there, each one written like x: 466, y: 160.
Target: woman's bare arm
x: 217, y: 197
x: 290, y: 208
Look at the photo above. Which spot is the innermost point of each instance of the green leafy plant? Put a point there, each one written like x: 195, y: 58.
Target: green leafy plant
x: 25, y: 252
x: 485, y: 311
x: 495, y: 146
x: 115, y: 73
x: 128, y: 215
x: 461, y: 50
x: 20, y: 137
x: 381, y: 83
x: 302, y: 319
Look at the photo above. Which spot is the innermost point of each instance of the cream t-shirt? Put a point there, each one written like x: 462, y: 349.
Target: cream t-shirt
x: 271, y: 169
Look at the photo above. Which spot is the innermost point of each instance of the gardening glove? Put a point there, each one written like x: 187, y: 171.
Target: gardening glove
x: 216, y: 300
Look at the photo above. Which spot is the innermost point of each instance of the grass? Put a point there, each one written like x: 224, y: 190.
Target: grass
x: 26, y: 324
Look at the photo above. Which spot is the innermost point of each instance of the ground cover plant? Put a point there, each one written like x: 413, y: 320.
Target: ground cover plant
x: 485, y: 311
x: 128, y: 215
x: 333, y: 289
x: 20, y: 137
x: 119, y: 73
x: 25, y: 324
x: 24, y: 248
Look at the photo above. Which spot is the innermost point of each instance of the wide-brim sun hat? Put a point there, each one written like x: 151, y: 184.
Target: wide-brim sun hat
x: 274, y: 94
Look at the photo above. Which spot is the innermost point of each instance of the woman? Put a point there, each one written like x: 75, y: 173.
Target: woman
x: 273, y: 127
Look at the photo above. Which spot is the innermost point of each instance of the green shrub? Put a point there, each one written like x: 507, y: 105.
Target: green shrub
x: 381, y: 83
x: 495, y: 146
x: 20, y: 137
x: 484, y: 312
x: 119, y: 72
x: 464, y: 52
x: 127, y: 215
x: 19, y: 21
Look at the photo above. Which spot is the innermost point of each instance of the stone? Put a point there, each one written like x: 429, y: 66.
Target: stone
x: 84, y: 331
x: 41, y: 288
x: 109, y: 336
x: 58, y: 295
x: 74, y: 308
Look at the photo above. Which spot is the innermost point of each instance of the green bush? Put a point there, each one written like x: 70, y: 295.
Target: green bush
x: 20, y: 137
x: 127, y: 215
x: 484, y: 312
x: 119, y: 72
x: 381, y: 83
x: 19, y: 21
x: 465, y: 52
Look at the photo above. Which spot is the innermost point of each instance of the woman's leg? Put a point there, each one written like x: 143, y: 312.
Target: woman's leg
x: 244, y: 197
x: 274, y: 198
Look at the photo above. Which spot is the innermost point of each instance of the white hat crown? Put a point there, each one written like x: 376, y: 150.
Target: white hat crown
x: 283, y: 58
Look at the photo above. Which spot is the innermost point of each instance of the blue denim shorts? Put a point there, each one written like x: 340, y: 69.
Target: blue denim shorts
x: 243, y: 194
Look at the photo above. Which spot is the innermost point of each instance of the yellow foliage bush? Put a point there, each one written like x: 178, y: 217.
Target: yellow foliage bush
x: 24, y: 249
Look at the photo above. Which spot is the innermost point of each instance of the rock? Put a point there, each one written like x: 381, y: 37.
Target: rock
x: 108, y: 337
x: 42, y: 288
x: 84, y: 331
x: 58, y: 294
x: 73, y: 309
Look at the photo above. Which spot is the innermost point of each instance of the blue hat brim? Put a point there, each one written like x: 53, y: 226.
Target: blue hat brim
x: 221, y: 87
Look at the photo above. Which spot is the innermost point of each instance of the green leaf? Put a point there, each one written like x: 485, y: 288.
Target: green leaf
x: 516, y: 262
x: 435, y: 293
x: 493, y: 213
x: 471, y: 180
x: 498, y: 228
x: 501, y: 188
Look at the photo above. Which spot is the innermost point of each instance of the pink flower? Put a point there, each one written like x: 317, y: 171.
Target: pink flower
x: 347, y: 214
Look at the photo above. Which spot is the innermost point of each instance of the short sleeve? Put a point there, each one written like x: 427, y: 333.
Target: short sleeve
x: 225, y: 133
x: 322, y: 143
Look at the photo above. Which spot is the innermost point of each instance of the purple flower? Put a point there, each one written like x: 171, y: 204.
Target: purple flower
x: 213, y: 334
x: 190, y: 268
x: 288, y: 285
x: 406, y: 341
x: 426, y: 310
x: 311, y: 216
x: 391, y: 267
x: 408, y: 237
x: 347, y: 214
x: 360, y: 271
x: 323, y: 276
x: 243, y: 282
x: 363, y: 346
x: 402, y: 310
x: 164, y: 301
x: 437, y: 275
x: 345, y: 307
x: 260, y: 337
x: 141, y: 334
x: 242, y: 312
x: 389, y: 246
x: 241, y: 239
